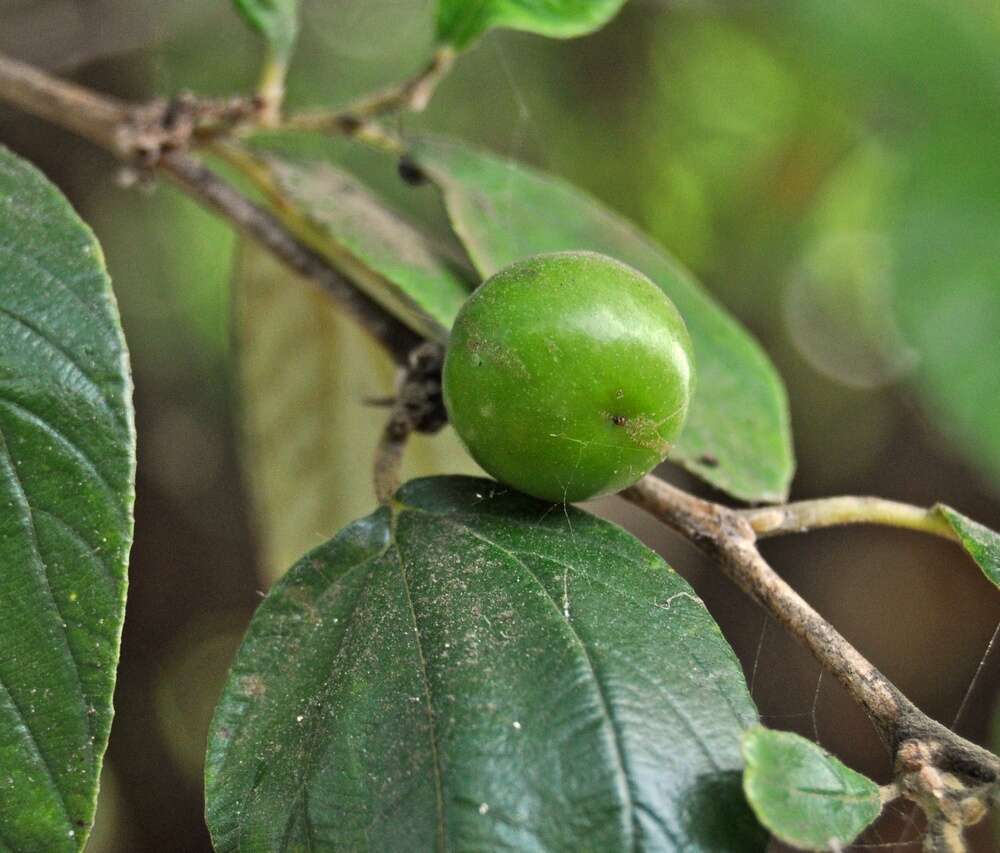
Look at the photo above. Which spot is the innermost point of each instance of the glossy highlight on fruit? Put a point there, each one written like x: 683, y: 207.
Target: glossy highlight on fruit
x: 568, y: 375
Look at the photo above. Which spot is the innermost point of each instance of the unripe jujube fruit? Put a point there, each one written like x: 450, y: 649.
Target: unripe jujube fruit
x: 568, y: 375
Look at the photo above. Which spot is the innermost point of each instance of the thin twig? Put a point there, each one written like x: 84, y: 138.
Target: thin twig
x: 389, y: 456
x: 124, y: 131
x: 216, y: 194
x: 727, y: 536
x: 412, y: 95
x: 271, y: 90
x: 832, y: 512
x: 99, y: 118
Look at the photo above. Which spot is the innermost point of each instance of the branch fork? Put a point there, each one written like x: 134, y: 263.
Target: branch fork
x: 950, y: 778
x: 950, y: 803
x: 185, y: 121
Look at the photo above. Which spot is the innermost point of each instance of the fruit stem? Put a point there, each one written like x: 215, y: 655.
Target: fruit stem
x: 417, y: 407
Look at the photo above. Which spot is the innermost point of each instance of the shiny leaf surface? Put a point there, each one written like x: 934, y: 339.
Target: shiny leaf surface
x: 979, y: 542
x: 383, y: 253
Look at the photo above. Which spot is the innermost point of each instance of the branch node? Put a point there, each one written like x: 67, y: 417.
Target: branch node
x: 418, y: 407
x: 153, y: 130
x: 950, y: 803
x: 420, y: 394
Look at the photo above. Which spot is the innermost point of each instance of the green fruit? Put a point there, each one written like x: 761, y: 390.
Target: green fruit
x: 568, y: 375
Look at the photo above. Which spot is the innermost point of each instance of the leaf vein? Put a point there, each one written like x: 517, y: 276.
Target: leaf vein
x: 22, y: 497
x: 668, y: 698
x: 37, y: 749
x: 435, y: 752
x: 65, y: 355
x: 27, y: 415
x: 625, y: 790
x: 77, y: 537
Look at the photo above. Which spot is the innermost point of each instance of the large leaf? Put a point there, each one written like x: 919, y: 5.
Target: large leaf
x: 802, y: 794
x: 276, y: 20
x: 979, y: 542
x: 383, y: 253
x: 67, y: 470
x: 737, y: 436
x: 476, y: 670
x: 461, y: 22
x: 305, y: 372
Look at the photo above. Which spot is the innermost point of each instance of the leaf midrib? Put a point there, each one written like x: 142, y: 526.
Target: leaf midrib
x: 667, y: 697
x: 22, y: 497
x: 331, y: 585
x: 442, y: 841
x: 621, y: 769
x: 558, y: 534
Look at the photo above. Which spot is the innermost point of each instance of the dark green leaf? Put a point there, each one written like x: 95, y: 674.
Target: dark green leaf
x: 461, y: 22
x: 473, y: 669
x: 981, y: 543
x: 67, y: 466
x: 276, y: 20
x: 802, y: 794
x: 382, y: 252
x: 305, y: 371
x: 737, y: 436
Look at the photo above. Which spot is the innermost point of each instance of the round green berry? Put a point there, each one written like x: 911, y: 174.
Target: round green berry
x: 568, y: 375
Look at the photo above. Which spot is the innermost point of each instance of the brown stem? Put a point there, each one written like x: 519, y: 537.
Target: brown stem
x: 728, y: 537
x: 98, y: 118
x: 389, y: 456
x: 258, y: 223
x: 122, y: 130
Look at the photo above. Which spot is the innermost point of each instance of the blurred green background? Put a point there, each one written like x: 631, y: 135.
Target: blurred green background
x: 831, y: 171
